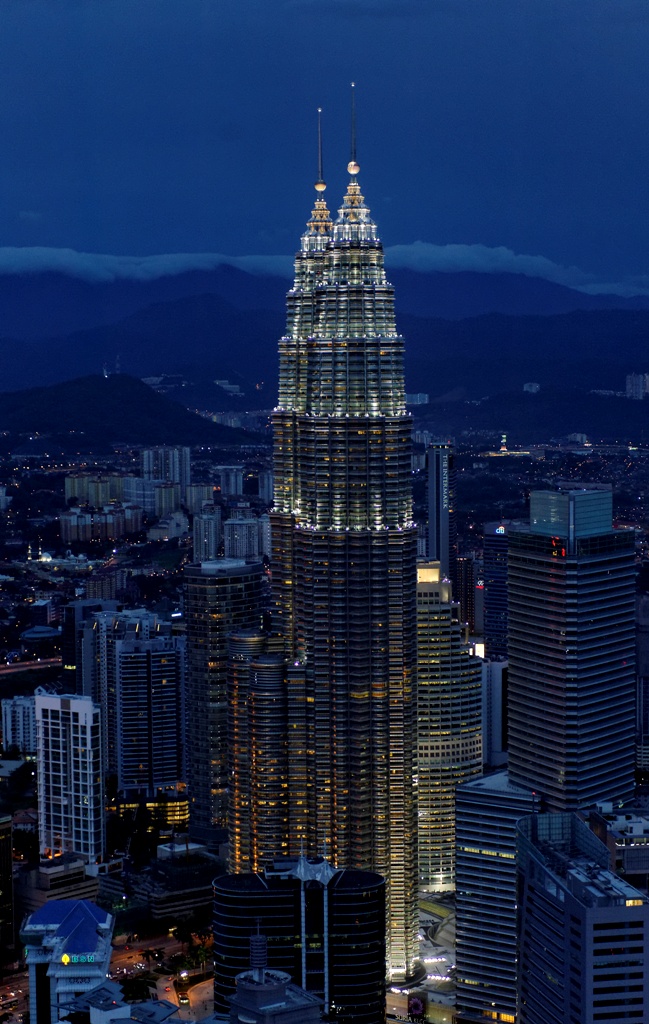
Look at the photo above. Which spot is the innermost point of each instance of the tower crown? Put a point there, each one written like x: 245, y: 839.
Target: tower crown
x: 318, y: 228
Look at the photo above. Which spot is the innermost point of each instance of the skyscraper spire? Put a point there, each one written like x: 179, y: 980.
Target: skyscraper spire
x: 344, y: 549
x: 352, y: 166
x: 320, y: 185
x: 319, y: 226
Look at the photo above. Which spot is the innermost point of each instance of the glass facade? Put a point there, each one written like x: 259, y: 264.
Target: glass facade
x: 344, y: 551
x: 220, y: 597
x: 325, y: 928
x: 572, y: 658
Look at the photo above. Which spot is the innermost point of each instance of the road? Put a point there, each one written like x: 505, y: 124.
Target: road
x: 23, y: 666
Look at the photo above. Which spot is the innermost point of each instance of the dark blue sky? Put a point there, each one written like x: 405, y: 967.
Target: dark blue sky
x: 136, y: 127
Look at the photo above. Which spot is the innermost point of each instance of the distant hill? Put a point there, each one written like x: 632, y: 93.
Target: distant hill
x: 551, y: 414
x: 204, y: 339
x: 97, y: 412
x: 53, y: 303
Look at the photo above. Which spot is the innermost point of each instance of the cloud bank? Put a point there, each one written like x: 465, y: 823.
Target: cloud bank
x: 419, y: 256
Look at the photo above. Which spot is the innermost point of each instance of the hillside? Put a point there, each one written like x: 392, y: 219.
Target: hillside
x: 96, y: 412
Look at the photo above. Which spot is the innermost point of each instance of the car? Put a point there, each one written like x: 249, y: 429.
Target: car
x: 183, y: 999
x: 167, y: 988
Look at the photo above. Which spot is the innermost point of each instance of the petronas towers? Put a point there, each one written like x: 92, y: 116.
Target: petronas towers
x: 344, y: 552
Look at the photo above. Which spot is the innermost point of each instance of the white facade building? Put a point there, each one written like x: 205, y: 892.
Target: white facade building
x: 69, y: 776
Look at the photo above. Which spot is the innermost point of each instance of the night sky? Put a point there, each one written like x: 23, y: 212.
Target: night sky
x: 486, y: 128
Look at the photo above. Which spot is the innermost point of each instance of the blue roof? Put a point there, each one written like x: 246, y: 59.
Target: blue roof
x: 78, y: 922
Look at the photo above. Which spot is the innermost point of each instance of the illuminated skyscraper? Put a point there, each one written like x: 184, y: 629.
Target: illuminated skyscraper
x: 344, y: 550
x: 572, y: 650
x: 442, y: 522
x: 449, y: 707
x: 220, y: 596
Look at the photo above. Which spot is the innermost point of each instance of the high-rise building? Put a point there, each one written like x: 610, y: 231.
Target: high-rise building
x: 325, y: 928
x: 220, y: 597
x: 487, y: 812
x: 449, y: 709
x: 241, y: 538
x: 572, y: 650
x: 149, y: 686
x: 19, y: 723
x: 571, y: 689
x: 231, y: 478
x: 69, y: 776
x: 583, y: 930
x: 172, y: 464
x: 75, y: 615
x: 495, y: 588
x: 257, y: 751
x: 206, y: 534
x: 344, y: 552
x: 266, y: 486
x: 464, y: 592
x: 494, y: 712
x: 103, y: 637
x: 442, y: 522
x: 198, y: 495
x: 642, y: 680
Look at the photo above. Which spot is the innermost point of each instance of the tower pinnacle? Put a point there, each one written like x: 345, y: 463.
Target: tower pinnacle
x: 352, y: 166
x: 320, y: 184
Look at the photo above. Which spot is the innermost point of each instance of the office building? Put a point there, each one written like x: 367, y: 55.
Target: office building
x: 206, y: 534
x: 219, y: 597
x: 642, y: 681
x: 494, y: 712
x: 68, y: 950
x: 571, y: 690
x: 75, y: 616
x: 257, y: 751
x: 325, y: 929
x: 449, y: 723
x: 149, y: 689
x: 442, y: 523
x: 263, y: 996
x: 494, y: 577
x: 583, y: 930
x: 69, y: 776
x: 344, y: 552
x: 464, y: 591
x: 487, y: 812
x: 572, y: 650
x: 171, y: 464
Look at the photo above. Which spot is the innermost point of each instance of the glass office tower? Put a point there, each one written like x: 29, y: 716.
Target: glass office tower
x: 572, y: 650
